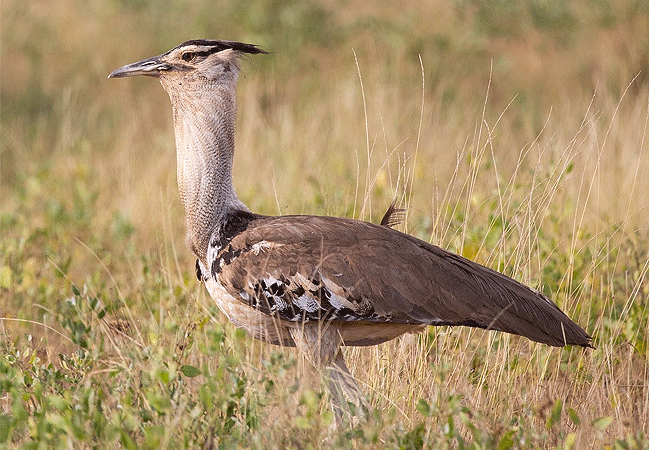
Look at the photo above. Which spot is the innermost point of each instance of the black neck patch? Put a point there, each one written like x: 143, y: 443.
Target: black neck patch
x: 234, y: 223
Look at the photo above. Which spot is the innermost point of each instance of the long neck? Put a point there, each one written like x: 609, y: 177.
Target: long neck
x: 204, y: 124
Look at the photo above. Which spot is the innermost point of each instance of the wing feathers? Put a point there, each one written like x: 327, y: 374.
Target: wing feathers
x: 314, y: 268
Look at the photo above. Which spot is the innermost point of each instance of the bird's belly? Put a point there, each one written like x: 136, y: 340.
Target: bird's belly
x: 261, y: 326
x: 360, y: 334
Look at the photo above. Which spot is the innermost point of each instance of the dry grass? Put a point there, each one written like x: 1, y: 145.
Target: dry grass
x: 515, y: 135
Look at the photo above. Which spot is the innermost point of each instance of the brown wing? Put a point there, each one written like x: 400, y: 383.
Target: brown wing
x: 302, y: 268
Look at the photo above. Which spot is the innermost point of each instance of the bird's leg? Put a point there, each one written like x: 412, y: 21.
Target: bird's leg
x: 346, y: 397
x: 321, y: 345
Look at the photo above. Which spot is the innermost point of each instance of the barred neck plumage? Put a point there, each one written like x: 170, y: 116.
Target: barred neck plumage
x: 204, y: 125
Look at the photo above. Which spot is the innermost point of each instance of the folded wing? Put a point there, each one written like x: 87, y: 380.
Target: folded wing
x: 304, y: 268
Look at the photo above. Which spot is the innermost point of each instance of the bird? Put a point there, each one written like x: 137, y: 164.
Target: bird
x: 318, y: 283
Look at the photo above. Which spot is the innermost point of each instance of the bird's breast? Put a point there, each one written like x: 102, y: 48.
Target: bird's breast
x: 259, y: 325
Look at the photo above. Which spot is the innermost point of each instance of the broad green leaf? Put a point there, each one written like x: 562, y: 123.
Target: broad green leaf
x: 190, y: 371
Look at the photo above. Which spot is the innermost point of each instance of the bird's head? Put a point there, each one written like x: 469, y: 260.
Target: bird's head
x: 204, y: 61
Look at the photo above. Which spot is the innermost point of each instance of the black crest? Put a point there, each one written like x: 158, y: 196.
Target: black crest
x: 218, y: 46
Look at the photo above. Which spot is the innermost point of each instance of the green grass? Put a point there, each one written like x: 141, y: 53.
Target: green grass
x: 520, y: 140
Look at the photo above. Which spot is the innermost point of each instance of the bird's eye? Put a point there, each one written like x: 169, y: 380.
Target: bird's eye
x: 188, y: 56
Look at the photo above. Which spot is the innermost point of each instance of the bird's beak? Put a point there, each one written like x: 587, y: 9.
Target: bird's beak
x: 150, y: 67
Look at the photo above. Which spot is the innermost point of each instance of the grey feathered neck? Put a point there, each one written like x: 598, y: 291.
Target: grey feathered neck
x: 204, y: 125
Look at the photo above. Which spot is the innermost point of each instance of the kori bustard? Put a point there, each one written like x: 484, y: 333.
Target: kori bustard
x: 318, y: 283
